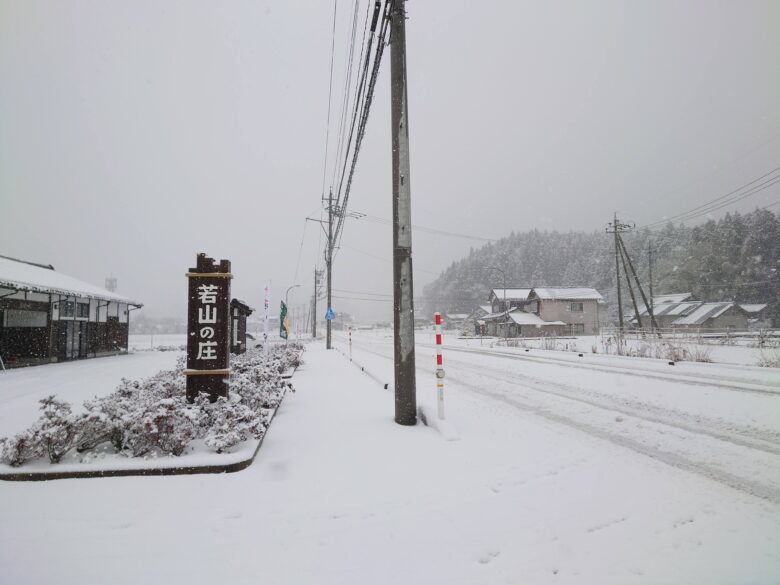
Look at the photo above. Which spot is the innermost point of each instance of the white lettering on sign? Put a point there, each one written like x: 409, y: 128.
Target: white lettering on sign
x: 207, y: 294
x: 207, y: 314
x: 207, y: 350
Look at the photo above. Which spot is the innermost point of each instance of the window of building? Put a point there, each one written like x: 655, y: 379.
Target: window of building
x: 66, y: 309
x: 82, y: 310
x: 21, y: 318
x: 578, y: 328
x: 576, y: 307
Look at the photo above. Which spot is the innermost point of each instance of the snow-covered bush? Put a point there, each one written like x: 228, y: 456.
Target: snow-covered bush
x: 152, y: 416
x: 770, y: 358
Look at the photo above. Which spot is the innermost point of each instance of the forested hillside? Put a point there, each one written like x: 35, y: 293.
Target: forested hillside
x: 734, y: 258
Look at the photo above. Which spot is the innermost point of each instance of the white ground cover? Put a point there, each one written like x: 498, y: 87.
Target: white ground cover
x: 736, y: 351
x: 540, y: 488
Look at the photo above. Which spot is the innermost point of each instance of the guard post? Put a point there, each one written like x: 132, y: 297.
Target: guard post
x: 439, y: 369
x: 208, y: 323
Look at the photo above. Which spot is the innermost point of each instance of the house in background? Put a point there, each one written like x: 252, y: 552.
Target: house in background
x: 503, y: 299
x: 577, y: 308
x: 725, y: 315
x: 682, y: 310
x: 47, y: 316
x: 455, y: 321
x: 758, y: 315
x: 542, y: 312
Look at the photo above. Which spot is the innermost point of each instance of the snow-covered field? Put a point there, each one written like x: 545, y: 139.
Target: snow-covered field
x: 736, y: 351
x: 618, y: 470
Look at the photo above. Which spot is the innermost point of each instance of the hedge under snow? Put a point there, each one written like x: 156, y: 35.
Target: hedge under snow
x: 152, y: 417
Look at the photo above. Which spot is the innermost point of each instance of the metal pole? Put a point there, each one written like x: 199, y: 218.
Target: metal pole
x: 314, y: 308
x: 403, y: 303
x: 617, y: 273
x: 638, y: 285
x: 650, y: 267
x: 329, y: 263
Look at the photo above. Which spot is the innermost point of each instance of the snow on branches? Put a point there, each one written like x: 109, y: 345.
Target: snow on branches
x: 152, y: 417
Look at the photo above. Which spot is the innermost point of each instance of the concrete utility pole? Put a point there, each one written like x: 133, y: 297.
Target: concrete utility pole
x: 329, y: 263
x: 314, y: 304
x: 403, y: 295
x: 615, y: 227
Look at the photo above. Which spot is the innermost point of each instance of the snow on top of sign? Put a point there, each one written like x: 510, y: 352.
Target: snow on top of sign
x: 20, y: 275
x: 512, y: 294
x: 568, y: 294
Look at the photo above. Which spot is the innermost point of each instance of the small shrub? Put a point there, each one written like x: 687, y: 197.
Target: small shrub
x: 770, y: 358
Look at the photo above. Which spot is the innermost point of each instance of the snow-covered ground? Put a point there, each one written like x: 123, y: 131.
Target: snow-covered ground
x: 77, y: 381
x: 616, y: 471
x: 735, y: 351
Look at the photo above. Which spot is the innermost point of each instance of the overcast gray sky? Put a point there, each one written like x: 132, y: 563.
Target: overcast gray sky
x: 135, y: 134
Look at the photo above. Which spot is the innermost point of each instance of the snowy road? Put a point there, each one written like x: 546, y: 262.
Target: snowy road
x: 720, y: 422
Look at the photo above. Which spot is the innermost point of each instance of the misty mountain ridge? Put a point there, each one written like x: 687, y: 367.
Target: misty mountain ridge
x: 736, y: 257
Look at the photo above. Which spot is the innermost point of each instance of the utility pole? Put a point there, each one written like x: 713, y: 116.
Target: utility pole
x: 650, y: 267
x: 654, y: 325
x: 314, y: 304
x: 329, y: 263
x: 403, y: 296
x: 615, y: 227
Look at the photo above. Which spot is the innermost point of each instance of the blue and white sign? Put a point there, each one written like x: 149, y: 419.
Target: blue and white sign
x: 330, y: 315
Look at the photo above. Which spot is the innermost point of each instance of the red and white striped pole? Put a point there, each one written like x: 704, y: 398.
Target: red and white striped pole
x: 439, y: 369
x: 350, y: 343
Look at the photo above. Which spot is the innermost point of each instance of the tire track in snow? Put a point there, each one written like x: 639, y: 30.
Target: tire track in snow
x: 750, y: 438
x: 748, y: 486
x: 690, y: 379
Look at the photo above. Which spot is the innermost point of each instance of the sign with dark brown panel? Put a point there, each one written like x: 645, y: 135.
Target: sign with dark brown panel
x: 208, y: 323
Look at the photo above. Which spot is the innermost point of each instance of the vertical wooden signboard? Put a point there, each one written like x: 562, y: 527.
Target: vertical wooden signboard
x: 208, y: 322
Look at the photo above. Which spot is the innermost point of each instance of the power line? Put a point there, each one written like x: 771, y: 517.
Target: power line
x: 330, y: 93
x: 723, y: 200
x: 343, y: 198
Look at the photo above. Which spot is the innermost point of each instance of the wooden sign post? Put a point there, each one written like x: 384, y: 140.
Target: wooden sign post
x: 208, y: 322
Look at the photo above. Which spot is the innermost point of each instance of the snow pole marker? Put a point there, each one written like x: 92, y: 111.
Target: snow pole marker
x: 350, y: 343
x: 439, y: 369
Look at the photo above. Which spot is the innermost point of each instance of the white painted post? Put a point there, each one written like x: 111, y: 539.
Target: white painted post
x: 439, y: 369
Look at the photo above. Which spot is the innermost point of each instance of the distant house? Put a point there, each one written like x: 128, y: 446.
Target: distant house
x: 455, y: 321
x: 666, y: 310
x: 724, y: 315
x: 682, y: 310
x: 501, y: 299
x: 47, y: 316
x: 758, y: 315
x: 576, y: 308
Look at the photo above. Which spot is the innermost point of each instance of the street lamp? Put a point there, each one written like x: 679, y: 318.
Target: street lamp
x: 503, y: 274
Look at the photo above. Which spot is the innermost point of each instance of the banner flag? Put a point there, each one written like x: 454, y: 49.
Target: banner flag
x: 284, y: 326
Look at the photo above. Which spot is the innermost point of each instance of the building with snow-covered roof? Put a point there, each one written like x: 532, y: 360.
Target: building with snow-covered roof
x: 672, y: 298
x: 719, y: 315
x: 47, y: 316
x: 501, y: 299
x: 576, y: 307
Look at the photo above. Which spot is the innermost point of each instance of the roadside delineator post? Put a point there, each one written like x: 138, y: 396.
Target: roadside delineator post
x: 439, y: 369
x: 350, y: 343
